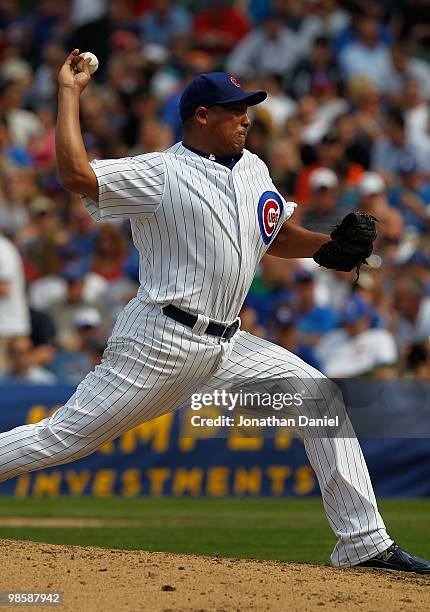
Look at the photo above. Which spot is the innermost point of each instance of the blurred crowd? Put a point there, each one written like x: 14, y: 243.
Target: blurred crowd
x: 346, y: 127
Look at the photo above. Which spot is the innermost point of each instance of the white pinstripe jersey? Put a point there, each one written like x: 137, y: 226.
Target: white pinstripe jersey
x: 200, y: 227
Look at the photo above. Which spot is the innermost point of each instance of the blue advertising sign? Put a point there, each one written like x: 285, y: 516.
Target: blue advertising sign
x: 161, y: 457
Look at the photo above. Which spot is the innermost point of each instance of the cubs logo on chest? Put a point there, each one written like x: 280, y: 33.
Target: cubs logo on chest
x: 269, y: 211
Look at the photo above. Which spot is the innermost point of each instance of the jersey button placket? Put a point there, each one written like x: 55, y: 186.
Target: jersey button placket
x: 240, y: 224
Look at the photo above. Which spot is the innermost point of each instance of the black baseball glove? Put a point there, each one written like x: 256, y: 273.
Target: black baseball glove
x: 350, y: 245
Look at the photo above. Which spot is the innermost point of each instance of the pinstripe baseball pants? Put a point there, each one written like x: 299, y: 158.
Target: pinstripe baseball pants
x: 153, y: 365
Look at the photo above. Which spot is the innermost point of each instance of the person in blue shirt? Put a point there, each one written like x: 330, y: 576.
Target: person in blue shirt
x: 313, y: 320
x: 165, y: 21
x: 284, y: 332
x: 411, y: 195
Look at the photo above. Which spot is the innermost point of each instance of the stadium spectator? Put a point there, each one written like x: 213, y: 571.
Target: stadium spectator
x: 330, y: 154
x: 17, y: 70
x: 279, y: 105
x: 41, y: 242
x: 373, y: 201
x: 314, y: 125
x: 21, y: 368
x: 109, y: 253
x: 20, y: 187
x: 49, y: 22
x: 63, y: 310
x: 43, y: 334
x: 272, y: 285
x: 163, y: 22
x: 411, y: 195
x: 82, y: 232
x: 413, y: 308
x: 14, y: 314
x: 285, y: 332
x: 356, y: 349
x: 42, y: 147
x: 367, y: 105
x: 14, y: 215
x: 260, y: 134
x: 285, y: 164
x: 23, y: 124
x: 405, y: 68
x: 356, y: 142
x: 322, y: 214
x: 314, y: 70
x: 272, y: 48
x: 44, y: 85
x: 323, y: 18
x: 153, y: 135
x: 313, y: 320
x: 392, y: 146
x: 219, y: 27
x: 417, y: 362
x: 71, y: 365
x: 11, y: 155
x: 52, y: 288
x: 91, y: 26
x: 332, y: 288
x: 249, y: 321
x: 191, y: 64
x: 415, y: 110
x: 367, y: 56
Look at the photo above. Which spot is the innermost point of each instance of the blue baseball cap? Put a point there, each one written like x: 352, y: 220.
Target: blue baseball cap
x: 303, y: 276
x: 215, y: 88
x: 408, y: 164
x: 354, y: 309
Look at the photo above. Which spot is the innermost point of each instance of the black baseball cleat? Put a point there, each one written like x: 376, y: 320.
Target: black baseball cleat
x: 395, y: 558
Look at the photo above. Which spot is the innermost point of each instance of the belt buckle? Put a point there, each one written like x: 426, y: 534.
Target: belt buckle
x: 230, y: 330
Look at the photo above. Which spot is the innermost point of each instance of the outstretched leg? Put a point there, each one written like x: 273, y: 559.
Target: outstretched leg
x: 151, y: 366
x: 338, y: 462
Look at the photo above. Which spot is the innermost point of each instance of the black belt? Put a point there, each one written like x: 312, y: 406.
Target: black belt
x: 214, y: 329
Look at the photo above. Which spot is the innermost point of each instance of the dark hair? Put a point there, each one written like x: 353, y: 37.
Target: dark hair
x: 331, y: 137
x: 395, y: 115
x: 415, y: 284
x: 6, y: 84
x: 417, y: 354
x: 321, y: 41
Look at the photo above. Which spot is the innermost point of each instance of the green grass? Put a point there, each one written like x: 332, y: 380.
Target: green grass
x: 285, y: 529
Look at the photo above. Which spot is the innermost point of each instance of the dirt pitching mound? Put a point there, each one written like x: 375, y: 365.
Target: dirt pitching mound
x: 94, y: 579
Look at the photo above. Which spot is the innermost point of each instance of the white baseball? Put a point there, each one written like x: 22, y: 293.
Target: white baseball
x: 93, y: 65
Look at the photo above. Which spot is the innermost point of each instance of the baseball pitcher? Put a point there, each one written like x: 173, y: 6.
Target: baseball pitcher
x: 203, y: 213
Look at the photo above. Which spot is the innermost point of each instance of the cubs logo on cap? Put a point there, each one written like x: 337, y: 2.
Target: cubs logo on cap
x: 234, y: 81
x: 269, y: 211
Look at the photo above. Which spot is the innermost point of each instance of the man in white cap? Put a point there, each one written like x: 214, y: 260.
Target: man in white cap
x: 72, y: 365
x: 373, y: 200
x: 322, y: 214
